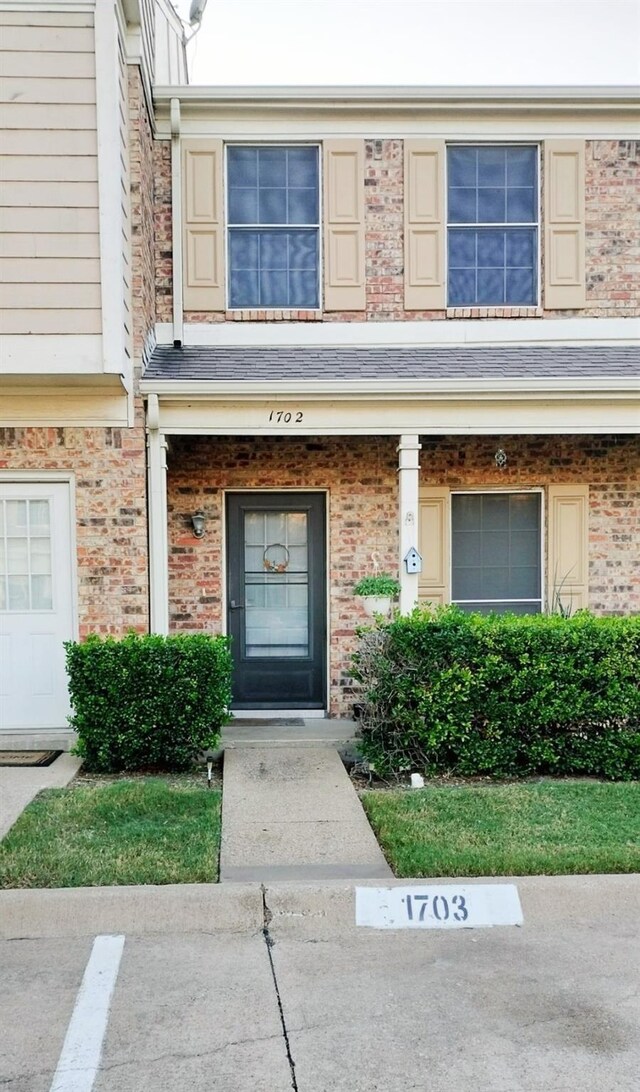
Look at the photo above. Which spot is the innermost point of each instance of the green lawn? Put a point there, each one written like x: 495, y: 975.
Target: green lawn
x: 547, y: 828
x: 138, y: 831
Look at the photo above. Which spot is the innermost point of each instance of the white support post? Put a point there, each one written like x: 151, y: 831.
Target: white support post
x: 408, y: 492
x: 176, y: 222
x: 158, y: 537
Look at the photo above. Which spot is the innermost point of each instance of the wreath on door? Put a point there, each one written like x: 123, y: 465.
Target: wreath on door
x: 275, y: 558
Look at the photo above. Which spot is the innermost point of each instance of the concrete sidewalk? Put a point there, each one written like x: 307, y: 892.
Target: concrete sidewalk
x: 19, y: 785
x: 293, y: 814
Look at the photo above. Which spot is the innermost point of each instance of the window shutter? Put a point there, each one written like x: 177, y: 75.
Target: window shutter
x: 564, y: 256
x: 344, y: 270
x: 433, y: 538
x: 568, y: 571
x: 203, y: 227
x: 424, y: 225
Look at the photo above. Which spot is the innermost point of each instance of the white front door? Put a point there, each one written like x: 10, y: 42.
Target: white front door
x: 36, y: 604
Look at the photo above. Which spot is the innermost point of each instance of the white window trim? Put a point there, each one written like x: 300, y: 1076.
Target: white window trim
x: 539, y: 225
x: 227, y: 226
x: 542, y: 493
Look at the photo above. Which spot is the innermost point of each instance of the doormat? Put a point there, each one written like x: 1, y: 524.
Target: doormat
x: 28, y: 758
x: 267, y: 722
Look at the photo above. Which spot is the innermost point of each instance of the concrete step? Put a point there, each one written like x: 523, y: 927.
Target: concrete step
x: 287, y: 731
x: 292, y: 814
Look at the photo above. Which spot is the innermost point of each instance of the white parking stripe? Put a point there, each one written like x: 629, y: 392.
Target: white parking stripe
x: 82, y: 1047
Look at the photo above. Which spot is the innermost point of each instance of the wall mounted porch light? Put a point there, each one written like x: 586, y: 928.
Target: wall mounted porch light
x: 197, y: 522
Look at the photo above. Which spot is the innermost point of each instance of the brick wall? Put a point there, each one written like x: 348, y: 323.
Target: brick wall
x: 111, y: 531
x: 613, y: 228
x: 142, y: 215
x: 361, y: 478
x: 612, y: 241
x: 362, y: 511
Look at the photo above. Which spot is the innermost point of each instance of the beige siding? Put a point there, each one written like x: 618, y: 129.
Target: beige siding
x: 50, y: 142
x: 49, y: 242
x: 59, y: 320
x: 41, y: 244
x: 124, y: 195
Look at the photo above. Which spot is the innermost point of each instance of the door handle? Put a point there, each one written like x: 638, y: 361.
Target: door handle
x: 233, y: 603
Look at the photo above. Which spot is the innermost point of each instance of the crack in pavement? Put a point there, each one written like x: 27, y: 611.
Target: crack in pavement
x: 188, y: 1054
x: 268, y: 939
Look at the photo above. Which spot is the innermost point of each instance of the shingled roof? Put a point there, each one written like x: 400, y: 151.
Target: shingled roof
x: 291, y: 363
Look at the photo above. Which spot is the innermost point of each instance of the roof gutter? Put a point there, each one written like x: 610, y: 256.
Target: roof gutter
x: 302, y: 96
x: 394, y: 389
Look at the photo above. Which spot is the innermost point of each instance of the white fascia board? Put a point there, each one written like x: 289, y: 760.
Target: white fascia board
x: 381, y: 389
x: 455, y: 113
x: 51, y: 354
x: 47, y: 5
x: 345, y: 95
x: 451, y: 332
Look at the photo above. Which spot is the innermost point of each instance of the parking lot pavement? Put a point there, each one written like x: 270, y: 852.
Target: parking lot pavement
x: 551, y: 1006
x: 39, y: 982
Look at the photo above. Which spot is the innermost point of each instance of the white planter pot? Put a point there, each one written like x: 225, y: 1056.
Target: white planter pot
x: 376, y: 604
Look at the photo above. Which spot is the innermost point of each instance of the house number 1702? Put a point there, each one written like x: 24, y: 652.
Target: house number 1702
x: 285, y: 417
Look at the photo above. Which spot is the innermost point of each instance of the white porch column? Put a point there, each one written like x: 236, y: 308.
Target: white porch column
x: 408, y: 487
x: 158, y: 537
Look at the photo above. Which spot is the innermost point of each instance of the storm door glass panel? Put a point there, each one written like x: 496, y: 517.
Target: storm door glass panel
x: 276, y: 584
x: 25, y: 555
x: 496, y: 554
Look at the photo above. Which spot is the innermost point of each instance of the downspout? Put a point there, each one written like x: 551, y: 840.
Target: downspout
x: 176, y: 224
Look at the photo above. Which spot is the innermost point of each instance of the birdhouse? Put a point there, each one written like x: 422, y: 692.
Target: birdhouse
x: 413, y: 561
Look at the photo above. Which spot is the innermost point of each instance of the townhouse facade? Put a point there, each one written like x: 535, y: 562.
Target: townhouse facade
x: 303, y: 333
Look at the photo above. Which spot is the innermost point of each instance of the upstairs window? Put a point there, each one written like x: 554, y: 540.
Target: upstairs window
x: 273, y: 223
x: 492, y: 225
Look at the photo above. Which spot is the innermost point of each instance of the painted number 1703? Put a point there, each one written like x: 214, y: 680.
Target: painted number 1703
x: 437, y: 906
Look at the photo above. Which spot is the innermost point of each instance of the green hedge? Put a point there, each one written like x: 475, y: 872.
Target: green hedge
x: 148, y: 702
x: 502, y: 695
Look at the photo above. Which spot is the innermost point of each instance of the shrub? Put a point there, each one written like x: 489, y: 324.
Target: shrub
x: 147, y: 701
x: 502, y: 695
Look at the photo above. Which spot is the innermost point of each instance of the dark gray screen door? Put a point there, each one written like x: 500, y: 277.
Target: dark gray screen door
x: 277, y: 599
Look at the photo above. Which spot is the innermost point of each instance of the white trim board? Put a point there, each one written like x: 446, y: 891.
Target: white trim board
x: 51, y: 354
x: 600, y: 331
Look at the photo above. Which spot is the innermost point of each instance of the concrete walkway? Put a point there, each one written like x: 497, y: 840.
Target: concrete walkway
x: 19, y: 785
x: 291, y: 813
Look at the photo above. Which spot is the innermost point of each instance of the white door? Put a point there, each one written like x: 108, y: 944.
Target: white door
x: 36, y: 604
